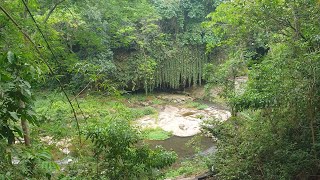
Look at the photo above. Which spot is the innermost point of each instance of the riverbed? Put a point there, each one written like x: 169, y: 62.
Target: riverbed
x: 186, y: 147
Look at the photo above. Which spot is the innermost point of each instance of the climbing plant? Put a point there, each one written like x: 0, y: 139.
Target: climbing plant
x: 181, y: 67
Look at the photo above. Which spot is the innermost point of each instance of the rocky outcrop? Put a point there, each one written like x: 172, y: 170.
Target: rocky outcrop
x: 182, y: 121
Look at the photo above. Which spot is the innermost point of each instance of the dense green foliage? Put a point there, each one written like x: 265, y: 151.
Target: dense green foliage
x: 106, y: 121
x: 16, y: 104
x: 274, y: 133
x: 16, y: 99
x: 116, y: 46
x: 119, y: 155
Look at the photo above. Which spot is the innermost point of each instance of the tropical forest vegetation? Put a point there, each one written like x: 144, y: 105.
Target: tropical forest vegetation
x: 160, y: 89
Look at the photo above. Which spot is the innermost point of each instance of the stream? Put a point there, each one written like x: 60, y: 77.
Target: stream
x: 181, y: 145
x: 184, y: 122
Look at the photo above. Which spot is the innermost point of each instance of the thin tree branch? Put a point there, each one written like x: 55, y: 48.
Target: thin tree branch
x: 84, y: 116
x: 52, y: 9
x: 76, y: 96
x: 296, y: 30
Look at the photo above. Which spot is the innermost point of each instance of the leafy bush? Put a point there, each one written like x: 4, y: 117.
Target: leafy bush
x: 250, y: 148
x: 21, y: 162
x: 188, y: 167
x: 120, y: 154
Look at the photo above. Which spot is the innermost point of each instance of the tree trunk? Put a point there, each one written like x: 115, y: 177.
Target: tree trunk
x: 25, y: 128
x: 24, y: 123
x: 312, y: 109
x: 296, y: 21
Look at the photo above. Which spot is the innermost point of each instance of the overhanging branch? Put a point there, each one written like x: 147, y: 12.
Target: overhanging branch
x: 52, y: 9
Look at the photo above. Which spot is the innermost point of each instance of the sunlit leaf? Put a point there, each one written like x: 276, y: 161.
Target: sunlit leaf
x: 14, y: 115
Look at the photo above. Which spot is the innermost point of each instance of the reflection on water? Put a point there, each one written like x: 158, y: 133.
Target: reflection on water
x: 182, y: 145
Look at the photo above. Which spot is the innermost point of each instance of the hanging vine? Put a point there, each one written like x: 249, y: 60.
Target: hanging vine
x: 182, y: 67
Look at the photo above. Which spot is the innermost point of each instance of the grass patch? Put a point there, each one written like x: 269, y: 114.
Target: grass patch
x: 156, y: 134
x: 157, y: 101
x: 202, y: 106
x: 197, y: 105
x: 57, y: 118
x: 136, y: 98
x: 149, y: 110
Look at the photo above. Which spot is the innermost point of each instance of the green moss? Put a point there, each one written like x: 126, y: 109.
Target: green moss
x: 202, y: 106
x: 156, y: 134
x: 197, y: 105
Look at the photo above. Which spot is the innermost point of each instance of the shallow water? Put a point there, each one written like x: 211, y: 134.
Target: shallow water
x: 182, y: 145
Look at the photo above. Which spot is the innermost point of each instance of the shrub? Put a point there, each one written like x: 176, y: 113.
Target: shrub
x: 121, y: 155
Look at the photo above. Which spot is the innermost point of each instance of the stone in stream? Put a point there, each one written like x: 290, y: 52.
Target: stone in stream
x: 182, y: 126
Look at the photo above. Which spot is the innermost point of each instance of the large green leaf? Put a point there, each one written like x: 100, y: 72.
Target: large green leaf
x: 11, y: 57
x: 14, y: 115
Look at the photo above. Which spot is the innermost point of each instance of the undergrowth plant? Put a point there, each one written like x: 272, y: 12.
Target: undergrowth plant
x: 120, y: 154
